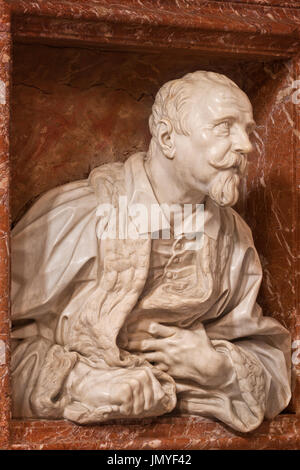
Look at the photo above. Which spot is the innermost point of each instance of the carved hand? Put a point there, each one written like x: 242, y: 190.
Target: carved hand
x: 123, y: 391
x: 181, y: 353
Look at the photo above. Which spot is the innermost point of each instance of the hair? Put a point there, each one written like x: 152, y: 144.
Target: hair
x: 172, y: 99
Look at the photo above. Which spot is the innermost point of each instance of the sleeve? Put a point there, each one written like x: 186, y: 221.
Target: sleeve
x: 257, y: 346
x: 54, y: 248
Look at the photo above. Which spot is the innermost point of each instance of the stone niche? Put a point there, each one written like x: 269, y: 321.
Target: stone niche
x: 80, y: 83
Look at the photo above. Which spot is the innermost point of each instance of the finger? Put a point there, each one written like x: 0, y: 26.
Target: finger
x: 154, y: 328
x: 115, y: 409
x: 162, y: 366
x: 141, y: 325
x: 138, y: 396
x: 158, y: 360
x: 157, y: 389
x: 154, y: 357
x: 127, y: 403
x: 138, y: 336
x: 148, y: 390
x: 161, y: 330
x: 145, y: 345
x: 106, y: 412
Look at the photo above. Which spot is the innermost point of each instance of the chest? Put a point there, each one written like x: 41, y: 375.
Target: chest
x: 185, y: 277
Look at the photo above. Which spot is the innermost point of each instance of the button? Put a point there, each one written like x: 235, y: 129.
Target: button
x: 176, y: 260
x: 169, y: 275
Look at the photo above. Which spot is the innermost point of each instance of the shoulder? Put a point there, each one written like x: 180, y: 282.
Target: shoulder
x: 107, y: 179
x: 58, y: 201
x: 74, y: 199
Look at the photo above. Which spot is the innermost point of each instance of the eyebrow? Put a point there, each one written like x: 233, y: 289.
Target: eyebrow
x: 224, y: 117
x: 251, y: 123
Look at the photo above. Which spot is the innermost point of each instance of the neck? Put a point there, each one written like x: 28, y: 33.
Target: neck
x: 168, y: 186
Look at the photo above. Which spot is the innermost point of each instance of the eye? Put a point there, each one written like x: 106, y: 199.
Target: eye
x: 223, y: 128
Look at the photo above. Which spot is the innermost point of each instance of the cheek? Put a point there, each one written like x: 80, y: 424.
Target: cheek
x: 219, y: 148
x: 211, y: 145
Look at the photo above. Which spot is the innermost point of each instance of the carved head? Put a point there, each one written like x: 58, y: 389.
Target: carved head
x: 201, y: 123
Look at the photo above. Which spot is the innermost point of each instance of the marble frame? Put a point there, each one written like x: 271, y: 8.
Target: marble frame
x: 235, y: 30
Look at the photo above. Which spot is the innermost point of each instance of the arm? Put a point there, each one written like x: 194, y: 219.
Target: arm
x: 48, y: 261
x: 56, y: 262
x: 51, y: 382
x: 258, y: 346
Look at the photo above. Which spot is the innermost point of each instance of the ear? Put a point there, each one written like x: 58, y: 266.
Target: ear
x: 165, y: 137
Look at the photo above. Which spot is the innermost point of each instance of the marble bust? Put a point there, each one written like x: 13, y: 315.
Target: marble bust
x: 115, y: 317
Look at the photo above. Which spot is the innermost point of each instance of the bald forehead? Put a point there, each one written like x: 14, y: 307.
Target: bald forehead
x: 230, y: 95
x: 221, y: 94
x: 212, y: 100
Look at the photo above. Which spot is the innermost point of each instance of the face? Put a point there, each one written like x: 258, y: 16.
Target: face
x: 212, y: 158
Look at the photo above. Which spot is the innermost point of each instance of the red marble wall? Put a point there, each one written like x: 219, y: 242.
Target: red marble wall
x: 5, y: 43
x: 271, y: 201
x: 166, y: 432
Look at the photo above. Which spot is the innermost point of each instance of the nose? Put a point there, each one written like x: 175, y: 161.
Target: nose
x: 241, y: 143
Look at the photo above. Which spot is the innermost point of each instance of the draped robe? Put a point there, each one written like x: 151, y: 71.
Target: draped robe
x: 74, y: 294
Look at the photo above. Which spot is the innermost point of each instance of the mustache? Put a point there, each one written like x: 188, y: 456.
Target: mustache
x: 232, y: 160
